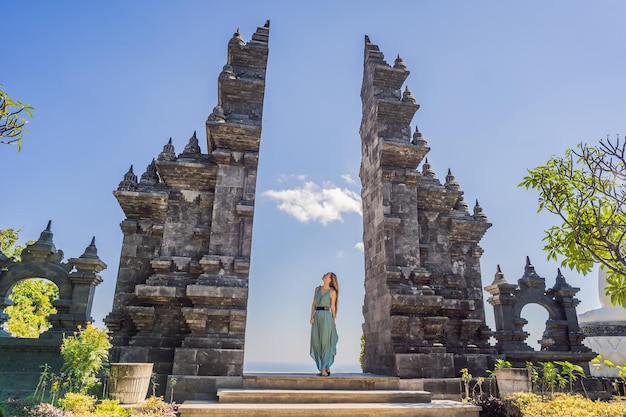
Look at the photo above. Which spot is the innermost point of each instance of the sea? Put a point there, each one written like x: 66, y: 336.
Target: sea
x: 296, y: 368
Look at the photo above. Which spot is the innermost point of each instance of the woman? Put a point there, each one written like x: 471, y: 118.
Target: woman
x: 323, y: 331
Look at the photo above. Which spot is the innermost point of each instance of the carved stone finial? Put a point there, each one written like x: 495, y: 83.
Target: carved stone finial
x: 43, y: 247
x: 89, y: 262
x: 499, y: 277
x: 418, y: 138
x: 129, y: 183
x: 367, y: 39
x: 217, y: 115
x: 267, y: 23
x: 399, y: 63
x: 150, y: 176
x: 46, y: 236
x: 91, y: 252
x: 560, y: 281
x: 192, y: 147
x: 407, y: 97
x: 237, y: 39
x: 168, y: 153
x: 427, y: 170
x: 461, y: 205
x: 228, y: 73
x: 479, y: 214
x: 451, y: 182
x: 529, y: 270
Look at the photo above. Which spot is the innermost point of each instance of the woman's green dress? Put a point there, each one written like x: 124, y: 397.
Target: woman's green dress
x: 323, y: 332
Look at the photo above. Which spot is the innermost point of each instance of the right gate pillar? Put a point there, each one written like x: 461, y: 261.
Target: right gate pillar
x: 423, y: 308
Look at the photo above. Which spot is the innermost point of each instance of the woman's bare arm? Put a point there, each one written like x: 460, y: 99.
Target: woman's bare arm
x: 313, y: 307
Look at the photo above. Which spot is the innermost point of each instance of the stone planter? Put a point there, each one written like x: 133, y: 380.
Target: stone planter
x: 512, y: 380
x: 129, y: 382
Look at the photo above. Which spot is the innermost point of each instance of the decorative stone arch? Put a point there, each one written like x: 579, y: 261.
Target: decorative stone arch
x: 20, y: 358
x: 75, y: 279
x: 562, y: 338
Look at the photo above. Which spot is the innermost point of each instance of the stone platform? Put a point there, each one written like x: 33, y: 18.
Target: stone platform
x: 336, y: 395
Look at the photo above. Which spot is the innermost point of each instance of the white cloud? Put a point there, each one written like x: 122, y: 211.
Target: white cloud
x: 348, y: 178
x: 359, y: 246
x: 340, y: 254
x: 311, y: 202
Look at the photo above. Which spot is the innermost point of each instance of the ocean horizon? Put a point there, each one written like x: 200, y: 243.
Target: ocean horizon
x: 296, y: 368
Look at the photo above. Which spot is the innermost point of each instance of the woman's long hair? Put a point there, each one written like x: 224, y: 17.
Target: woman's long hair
x: 335, y: 284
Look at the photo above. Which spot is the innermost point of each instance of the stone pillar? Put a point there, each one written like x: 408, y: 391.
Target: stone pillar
x: 423, y: 297
x: 182, y: 290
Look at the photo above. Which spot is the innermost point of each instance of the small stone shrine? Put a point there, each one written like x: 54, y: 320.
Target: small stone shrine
x: 562, y: 338
x: 182, y: 287
x: 424, y: 310
x: 76, y: 279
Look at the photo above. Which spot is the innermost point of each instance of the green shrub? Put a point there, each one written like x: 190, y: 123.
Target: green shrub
x: 78, y: 403
x: 561, y: 405
x: 84, y: 354
x: 154, y: 407
x: 111, y: 408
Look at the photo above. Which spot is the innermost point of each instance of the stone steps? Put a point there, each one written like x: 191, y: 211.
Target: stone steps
x: 339, y: 395
x: 437, y: 408
x: 342, y: 381
x: 257, y: 396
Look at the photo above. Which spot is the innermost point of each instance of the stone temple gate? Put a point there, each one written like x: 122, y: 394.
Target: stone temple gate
x: 182, y: 286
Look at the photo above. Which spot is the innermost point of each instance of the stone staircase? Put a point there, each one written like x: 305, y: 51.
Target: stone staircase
x: 340, y: 395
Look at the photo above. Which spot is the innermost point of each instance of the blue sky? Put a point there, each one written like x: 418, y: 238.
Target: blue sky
x: 502, y: 86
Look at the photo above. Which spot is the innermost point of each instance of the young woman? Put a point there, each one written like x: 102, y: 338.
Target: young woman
x: 323, y: 331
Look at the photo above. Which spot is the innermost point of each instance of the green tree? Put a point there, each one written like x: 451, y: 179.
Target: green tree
x: 8, y: 242
x: 586, y: 188
x: 32, y: 298
x: 12, y: 120
x: 32, y: 304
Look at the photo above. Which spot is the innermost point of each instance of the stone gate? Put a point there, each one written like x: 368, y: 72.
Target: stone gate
x: 562, y: 338
x: 182, y: 286
x: 21, y: 359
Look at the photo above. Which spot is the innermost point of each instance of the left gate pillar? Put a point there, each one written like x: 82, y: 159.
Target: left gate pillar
x: 182, y: 291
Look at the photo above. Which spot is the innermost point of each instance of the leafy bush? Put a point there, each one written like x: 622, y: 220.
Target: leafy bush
x: 78, y: 403
x: 560, y: 405
x: 154, y: 407
x: 82, y: 405
x: 84, y: 354
x: 111, y: 408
